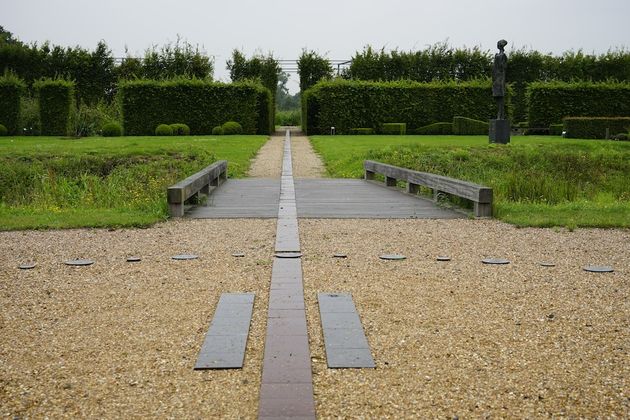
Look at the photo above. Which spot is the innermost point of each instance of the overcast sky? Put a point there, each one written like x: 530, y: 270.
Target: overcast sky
x: 336, y: 28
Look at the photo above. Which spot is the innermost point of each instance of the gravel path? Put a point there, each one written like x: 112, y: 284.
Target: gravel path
x: 464, y: 339
x: 118, y: 339
x: 306, y: 163
x: 268, y: 160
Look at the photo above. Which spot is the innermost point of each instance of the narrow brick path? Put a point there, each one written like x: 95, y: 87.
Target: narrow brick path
x: 287, y: 382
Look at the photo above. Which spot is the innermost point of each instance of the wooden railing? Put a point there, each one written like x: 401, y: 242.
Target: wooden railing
x: 178, y: 194
x: 481, y: 196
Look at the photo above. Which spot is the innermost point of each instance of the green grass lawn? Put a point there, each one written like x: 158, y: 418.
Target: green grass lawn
x: 537, y: 180
x: 50, y: 182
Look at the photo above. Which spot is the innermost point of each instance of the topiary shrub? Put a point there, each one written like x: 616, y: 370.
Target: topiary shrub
x: 394, y: 128
x: 232, y: 127
x: 3, y: 130
x: 440, y: 128
x: 163, y: 130
x: 180, y: 129
x: 11, y: 89
x: 594, y: 127
x: 56, y: 99
x: 217, y: 131
x: 112, y: 129
x: 556, y: 129
x: 363, y: 131
x: 620, y: 136
x: 463, y: 126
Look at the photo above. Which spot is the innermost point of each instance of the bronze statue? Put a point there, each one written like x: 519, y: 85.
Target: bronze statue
x: 498, y: 78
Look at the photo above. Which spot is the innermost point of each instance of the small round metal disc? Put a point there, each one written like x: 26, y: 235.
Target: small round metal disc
x: 238, y: 254
x: 495, y: 261
x: 288, y: 254
x: 27, y: 266
x: 184, y: 257
x: 134, y: 259
x: 78, y: 263
x: 443, y: 258
x: 394, y: 257
x: 599, y: 269
x: 547, y: 264
x: 340, y: 255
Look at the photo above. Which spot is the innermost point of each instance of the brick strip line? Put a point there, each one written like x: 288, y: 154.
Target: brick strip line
x: 287, y: 382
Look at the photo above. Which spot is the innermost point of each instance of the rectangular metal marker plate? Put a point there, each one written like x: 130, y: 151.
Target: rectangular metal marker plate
x: 226, y: 339
x: 344, y: 339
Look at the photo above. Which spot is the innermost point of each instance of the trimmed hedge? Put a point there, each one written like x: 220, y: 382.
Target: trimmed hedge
x: 550, y: 102
x: 595, y: 127
x: 463, y: 126
x: 11, y: 88
x: 440, y: 128
x: 556, y: 129
x: 56, y: 98
x: 346, y: 104
x: 163, y: 130
x: 180, y: 129
x: 362, y: 131
x: 394, y: 128
x: 3, y: 131
x: 231, y: 127
x: 199, y: 104
x: 112, y: 129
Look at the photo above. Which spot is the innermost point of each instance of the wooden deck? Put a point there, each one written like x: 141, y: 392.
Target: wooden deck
x: 317, y: 198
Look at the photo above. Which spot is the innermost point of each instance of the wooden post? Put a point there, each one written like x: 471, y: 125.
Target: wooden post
x: 176, y: 209
x: 412, y: 188
x: 483, y: 209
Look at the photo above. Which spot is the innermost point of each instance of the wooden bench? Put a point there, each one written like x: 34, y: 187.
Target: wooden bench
x: 178, y: 194
x: 481, y: 196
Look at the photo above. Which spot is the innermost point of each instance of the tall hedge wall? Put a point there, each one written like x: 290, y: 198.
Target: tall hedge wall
x: 11, y: 89
x: 200, y: 104
x: 550, y: 102
x: 350, y: 104
x: 56, y: 98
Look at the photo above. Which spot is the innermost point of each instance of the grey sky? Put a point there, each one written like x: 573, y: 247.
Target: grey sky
x: 336, y: 28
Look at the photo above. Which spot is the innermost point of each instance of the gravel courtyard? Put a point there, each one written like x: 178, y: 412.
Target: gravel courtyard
x: 455, y: 338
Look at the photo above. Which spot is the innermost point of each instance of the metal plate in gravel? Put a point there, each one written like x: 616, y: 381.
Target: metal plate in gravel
x: 288, y: 254
x: 183, y: 257
x: 340, y: 255
x: 134, y: 259
x: 344, y: 339
x: 238, y: 254
x: 78, y: 263
x: 547, y: 264
x: 498, y: 261
x: 392, y: 257
x: 27, y: 266
x: 226, y: 340
x: 599, y: 269
x: 443, y: 258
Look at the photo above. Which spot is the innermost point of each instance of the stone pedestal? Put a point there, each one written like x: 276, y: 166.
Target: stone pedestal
x: 500, y: 131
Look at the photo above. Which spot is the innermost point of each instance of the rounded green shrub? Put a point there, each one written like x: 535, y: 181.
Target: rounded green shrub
x: 217, y: 131
x: 3, y: 130
x: 180, y: 129
x: 163, y: 130
x: 112, y: 129
x: 232, y: 127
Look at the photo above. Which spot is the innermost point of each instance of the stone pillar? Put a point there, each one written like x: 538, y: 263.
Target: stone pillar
x: 500, y: 131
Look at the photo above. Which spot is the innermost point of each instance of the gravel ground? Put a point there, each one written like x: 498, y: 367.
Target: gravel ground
x: 464, y: 339
x: 120, y: 339
x: 268, y: 161
x: 306, y: 163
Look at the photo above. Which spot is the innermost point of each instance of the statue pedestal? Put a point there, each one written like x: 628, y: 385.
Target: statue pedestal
x: 500, y: 131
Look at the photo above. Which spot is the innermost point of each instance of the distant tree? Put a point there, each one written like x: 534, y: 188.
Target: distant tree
x: 312, y: 68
